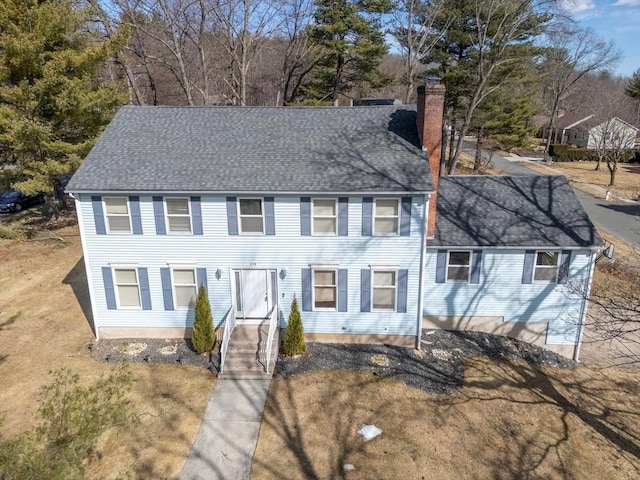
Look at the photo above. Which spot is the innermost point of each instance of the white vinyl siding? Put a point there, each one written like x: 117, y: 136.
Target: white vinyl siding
x: 178, y: 215
x: 545, y: 269
x: 117, y: 214
x: 458, y: 266
x: 384, y: 290
x: 325, y: 289
x: 325, y: 217
x: 127, y: 288
x: 251, y: 215
x: 386, y: 216
x: 184, y: 287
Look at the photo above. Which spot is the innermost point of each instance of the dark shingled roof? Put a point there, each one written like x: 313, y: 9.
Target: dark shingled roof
x: 257, y: 149
x: 523, y: 211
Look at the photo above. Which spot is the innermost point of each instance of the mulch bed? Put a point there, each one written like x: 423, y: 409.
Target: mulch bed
x: 438, y: 367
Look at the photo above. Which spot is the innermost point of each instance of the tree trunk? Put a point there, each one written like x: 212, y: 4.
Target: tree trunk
x: 477, y: 163
x: 612, y: 175
x: 336, y: 83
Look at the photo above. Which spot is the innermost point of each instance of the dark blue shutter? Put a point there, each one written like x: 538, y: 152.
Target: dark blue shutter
x: 201, y: 273
x: 403, y: 278
x: 109, y: 291
x: 136, y: 219
x: 441, y: 266
x: 527, y: 271
x: 269, y: 217
x: 158, y: 215
x: 565, y: 264
x: 343, y: 216
x: 343, y: 290
x: 367, y: 217
x: 365, y: 290
x: 306, y: 290
x: 167, y: 291
x: 145, y: 293
x: 196, y: 215
x: 405, y: 217
x: 476, y: 265
x: 232, y: 215
x: 98, y: 215
x: 305, y: 216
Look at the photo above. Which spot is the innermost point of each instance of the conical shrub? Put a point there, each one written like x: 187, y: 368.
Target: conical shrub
x: 204, y: 335
x: 293, y: 342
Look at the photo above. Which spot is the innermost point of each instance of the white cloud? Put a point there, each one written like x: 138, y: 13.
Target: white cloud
x: 578, y: 6
x: 627, y: 3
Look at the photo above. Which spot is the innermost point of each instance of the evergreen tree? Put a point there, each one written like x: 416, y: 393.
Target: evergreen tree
x: 52, y: 103
x: 293, y: 342
x: 350, y: 34
x: 204, y: 335
x: 633, y: 90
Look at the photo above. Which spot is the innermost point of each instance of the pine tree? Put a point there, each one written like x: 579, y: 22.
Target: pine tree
x: 293, y: 343
x: 53, y: 105
x: 204, y: 335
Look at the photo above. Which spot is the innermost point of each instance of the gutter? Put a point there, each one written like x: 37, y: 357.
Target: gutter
x: 423, y: 253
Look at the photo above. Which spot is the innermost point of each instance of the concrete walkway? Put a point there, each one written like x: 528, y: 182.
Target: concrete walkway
x: 228, y: 434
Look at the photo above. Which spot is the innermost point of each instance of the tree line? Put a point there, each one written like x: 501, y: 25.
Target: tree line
x: 67, y: 65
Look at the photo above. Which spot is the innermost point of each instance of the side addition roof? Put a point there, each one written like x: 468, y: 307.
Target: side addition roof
x: 522, y: 211
x: 257, y: 149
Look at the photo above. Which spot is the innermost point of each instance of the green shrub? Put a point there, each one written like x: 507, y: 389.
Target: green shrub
x: 204, y: 335
x: 293, y: 342
x: 72, y: 419
x: 569, y: 153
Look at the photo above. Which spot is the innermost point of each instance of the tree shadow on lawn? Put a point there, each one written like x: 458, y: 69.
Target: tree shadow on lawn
x: 77, y: 280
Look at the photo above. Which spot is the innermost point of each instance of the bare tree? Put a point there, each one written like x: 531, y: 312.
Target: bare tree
x: 571, y: 53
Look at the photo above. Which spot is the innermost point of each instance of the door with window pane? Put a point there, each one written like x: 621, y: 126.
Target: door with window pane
x: 255, y: 292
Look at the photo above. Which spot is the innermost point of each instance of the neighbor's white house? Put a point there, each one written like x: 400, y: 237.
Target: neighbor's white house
x: 340, y: 207
x: 587, y: 131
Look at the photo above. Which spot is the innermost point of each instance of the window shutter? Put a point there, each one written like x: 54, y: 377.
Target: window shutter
x: 109, y: 291
x: 167, y: 292
x: 367, y: 217
x: 365, y: 290
x: 527, y: 271
x: 476, y: 265
x: 232, y: 215
x: 98, y: 215
x: 306, y: 290
x: 269, y: 217
x: 403, y: 278
x: 136, y: 219
x: 343, y: 290
x: 196, y: 215
x: 305, y: 216
x: 441, y: 266
x: 145, y: 293
x: 565, y: 264
x: 405, y: 217
x: 343, y: 216
x: 158, y: 215
x: 201, y: 273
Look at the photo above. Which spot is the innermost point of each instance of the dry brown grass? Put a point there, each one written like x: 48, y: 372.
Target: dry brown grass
x: 627, y: 178
x: 43, y: 327
x: 509, y: 420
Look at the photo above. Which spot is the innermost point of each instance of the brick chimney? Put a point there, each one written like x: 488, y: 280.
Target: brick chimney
x: 430, y: 110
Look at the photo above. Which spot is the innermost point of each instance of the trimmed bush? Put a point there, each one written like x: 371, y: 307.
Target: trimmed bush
x: 293, y: 343
x: 204, y: 335
x: 569, y: 153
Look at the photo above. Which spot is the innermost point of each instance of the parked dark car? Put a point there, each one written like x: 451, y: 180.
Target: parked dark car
x: 14, y: 201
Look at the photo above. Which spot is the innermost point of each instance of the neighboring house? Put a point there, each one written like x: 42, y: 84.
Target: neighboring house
x: 336, y: 206
x: 586, y: 131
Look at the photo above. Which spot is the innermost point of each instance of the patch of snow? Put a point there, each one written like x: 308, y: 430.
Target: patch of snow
x: 441, y: 354
x: 347, y: 467
x: 369, y: 432
x: 380, y: 360
x: 134, y: 349
x: 169, y: 350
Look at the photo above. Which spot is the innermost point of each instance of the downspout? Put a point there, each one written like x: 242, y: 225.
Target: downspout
x: 87, y: 267
x: 423, y: 253
x: 585, y: 305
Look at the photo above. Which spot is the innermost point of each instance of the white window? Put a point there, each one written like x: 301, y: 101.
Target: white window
x: 178, y: 215
x: 546, y: 268
x: 251, y: 216
x: 384, y: 290
x: 386, y: 216
x: 325, y: 289
x: 117, y: 213
x: 324, y: 216
x: 458, y: 266
x: 127, y: 288
x: 184, y: 287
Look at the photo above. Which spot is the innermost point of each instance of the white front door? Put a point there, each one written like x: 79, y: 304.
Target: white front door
x: 255, y: 293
